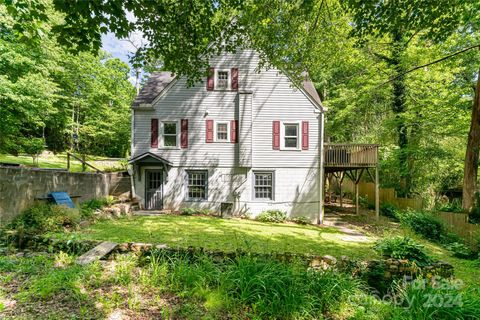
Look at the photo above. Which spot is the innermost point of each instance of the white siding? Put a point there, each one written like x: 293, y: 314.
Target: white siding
x: 273, y: 98
x: 245, y: 130
x: 295, y: 190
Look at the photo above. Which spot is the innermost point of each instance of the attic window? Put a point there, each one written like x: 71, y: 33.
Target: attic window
x: 222, y: 81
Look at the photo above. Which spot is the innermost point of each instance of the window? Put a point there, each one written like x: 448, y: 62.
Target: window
x: 222, y: 81
x: 222, y: 131
x: 197, y: 185
x: 263, y: 185
x: 291, y: 135
x: 170, y: 136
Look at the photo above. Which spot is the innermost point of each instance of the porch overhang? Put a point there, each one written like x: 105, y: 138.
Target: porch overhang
x: 150, y: 159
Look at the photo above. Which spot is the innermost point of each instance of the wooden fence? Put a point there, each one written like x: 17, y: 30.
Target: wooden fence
x: 458, y: 223
x: 387, y: 195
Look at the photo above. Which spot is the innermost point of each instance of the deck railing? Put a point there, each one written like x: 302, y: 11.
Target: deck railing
x: 351, y: 155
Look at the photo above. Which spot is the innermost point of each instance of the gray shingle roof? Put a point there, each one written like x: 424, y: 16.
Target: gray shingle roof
x: 158, y: 81
x: 309, y: 88
x: 155, y: 84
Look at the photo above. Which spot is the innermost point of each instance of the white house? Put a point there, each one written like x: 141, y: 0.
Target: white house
x: 242, y: 141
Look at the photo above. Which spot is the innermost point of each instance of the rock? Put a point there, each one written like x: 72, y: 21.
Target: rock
x: 140, y: 247
x: 20, y: 255
x: 84, y: 224
x: 329, y: 259
x: 123, y: 247
x: 161, y: 246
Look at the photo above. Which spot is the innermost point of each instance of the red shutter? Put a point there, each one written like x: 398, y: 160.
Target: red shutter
x: 304, y: 135
x: 234, y: 75
x: 154, y: 133
x: 211, y: 79
x: 276, y: 135
x: 234, y: 131
x: 209, y: 124
x: 184, y: 133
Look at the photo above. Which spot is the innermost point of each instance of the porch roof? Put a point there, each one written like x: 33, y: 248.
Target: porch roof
x: 149, y: 158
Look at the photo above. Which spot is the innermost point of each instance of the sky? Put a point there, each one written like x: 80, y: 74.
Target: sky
x: 121, y: 48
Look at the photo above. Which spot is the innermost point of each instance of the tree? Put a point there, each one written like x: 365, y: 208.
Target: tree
x: 47, y: 93
x: 407, y: 19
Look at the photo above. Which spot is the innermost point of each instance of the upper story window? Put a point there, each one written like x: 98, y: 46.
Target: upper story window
x: 222, y: 80
x: 222, y: 131
x: 291, y: 135
x: 170, y: 134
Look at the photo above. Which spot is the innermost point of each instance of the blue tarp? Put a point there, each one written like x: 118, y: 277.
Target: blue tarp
x: 61, y: 198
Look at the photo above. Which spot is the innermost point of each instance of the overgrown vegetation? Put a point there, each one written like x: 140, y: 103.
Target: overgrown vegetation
x: 403, y: 248
x: 275, y: 216
x: 184, y: 286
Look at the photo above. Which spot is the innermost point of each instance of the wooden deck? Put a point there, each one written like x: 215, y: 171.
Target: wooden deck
x: 346, y: 157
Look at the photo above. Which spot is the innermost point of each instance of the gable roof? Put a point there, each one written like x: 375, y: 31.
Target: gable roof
x: 159, y: 81
x: 149, y: 157
x: 156, y: 83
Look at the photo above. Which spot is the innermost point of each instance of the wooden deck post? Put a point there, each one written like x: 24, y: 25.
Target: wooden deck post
x: 321, y: 171
x: 356, y: 199
x: 377, y: 192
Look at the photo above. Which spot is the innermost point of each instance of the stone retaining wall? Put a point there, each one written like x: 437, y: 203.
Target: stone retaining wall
x: 19, y: 187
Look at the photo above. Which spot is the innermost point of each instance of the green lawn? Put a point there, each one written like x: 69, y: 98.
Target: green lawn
x: 231, y: 234
x: 58, y: 161
x: 227, y: 235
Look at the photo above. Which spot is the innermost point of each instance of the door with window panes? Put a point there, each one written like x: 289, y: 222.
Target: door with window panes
x: 153, y: 189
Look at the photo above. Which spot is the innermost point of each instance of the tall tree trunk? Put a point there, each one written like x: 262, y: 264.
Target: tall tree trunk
x: 471, y: 156
x: 398, y: 108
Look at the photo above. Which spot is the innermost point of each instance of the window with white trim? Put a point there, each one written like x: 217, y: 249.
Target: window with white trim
x: 263, y: 185
x: 222, y: 80
x: 222, y: 131
x: 290, y: 135
x: 197, y: 185
x: 170, y: 134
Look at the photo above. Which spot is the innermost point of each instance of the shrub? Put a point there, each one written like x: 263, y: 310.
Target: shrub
x: 424, y: 224
x: 460, y: 250
x: 389, y: 210
x: 194, y: 211
x: 301, y: 220
x: 439, y: 299
x: 451, y: 206
x: 88, y: 207
x: 276, y: 216
x: 42, y: 218
x: 403, y: 248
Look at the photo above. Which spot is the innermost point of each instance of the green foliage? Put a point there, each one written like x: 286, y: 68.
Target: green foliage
x: 301, y: 220
x: 451, y: 206
x: 439, y: 299
x: 261, y: 288
x: 42, y: 218
x: 389, y: 210
x: 276, y: 216
x: 46, y: 93
x: 190, y: 211
x: 89, y: 207
x: 423, y: 223
x: 460, y: 250
x: 403, y: 248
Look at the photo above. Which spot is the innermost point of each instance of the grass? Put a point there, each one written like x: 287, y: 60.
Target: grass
x: 466, y: 270
x: 58, y: 161
x: 174, y: 287
x: 226, y: 235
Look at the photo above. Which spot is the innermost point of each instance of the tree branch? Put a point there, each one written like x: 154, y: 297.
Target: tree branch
x: 429, y: 64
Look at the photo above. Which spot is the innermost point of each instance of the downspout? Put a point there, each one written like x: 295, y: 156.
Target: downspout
x: 321, y: 171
